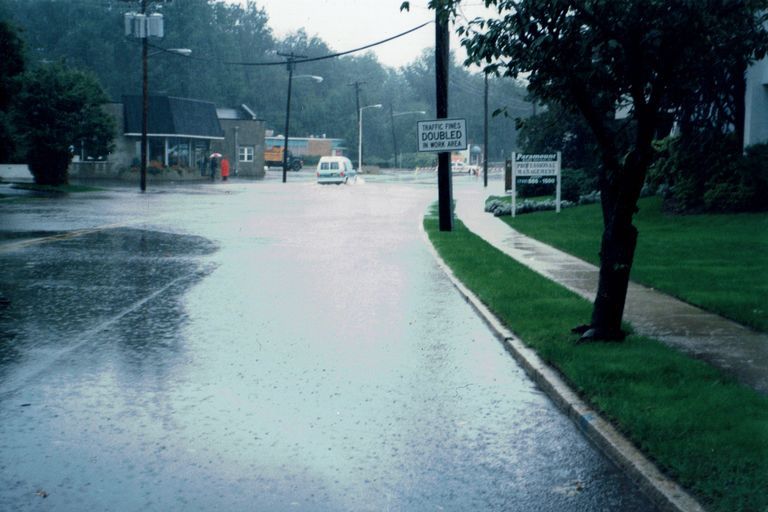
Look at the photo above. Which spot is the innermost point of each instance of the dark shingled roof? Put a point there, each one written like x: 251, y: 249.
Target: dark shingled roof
x: 173, y: 116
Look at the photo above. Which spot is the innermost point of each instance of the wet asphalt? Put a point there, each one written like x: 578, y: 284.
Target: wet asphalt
x: 270, y: 347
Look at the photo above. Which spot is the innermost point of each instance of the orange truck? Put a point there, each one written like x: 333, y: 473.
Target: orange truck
x: 273, y: 157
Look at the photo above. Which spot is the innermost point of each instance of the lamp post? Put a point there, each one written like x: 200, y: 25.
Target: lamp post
x: 360, y: 135
x: 392, y: 116
x: 185, y: 52
x: 291, y: 57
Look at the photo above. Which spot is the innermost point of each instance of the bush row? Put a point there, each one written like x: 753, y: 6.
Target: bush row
x: 501, y: 207
x: 711, y: 174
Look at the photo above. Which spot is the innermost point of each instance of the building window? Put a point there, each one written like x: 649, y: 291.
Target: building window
x: 245, y: 153
x: 178, y: 152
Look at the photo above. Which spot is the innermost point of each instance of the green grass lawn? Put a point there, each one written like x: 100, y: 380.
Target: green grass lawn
x: 718, y: 262
x: 704, y: 430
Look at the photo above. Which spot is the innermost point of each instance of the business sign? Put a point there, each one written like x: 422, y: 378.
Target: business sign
x: 442, y: 135
x: 535, y: 168
x: 547, y: 164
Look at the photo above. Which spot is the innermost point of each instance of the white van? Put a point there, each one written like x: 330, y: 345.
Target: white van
x: 335, y: 169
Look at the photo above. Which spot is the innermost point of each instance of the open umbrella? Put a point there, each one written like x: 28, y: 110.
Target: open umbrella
x: 215, y: 155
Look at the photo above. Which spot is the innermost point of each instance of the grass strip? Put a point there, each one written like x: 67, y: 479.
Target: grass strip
x: 717, y: 262
x: 707, y: 432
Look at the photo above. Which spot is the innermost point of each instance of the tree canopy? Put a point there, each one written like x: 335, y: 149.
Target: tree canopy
x: 57, y: 108
x: 11, y: 68
x: 652, y: 57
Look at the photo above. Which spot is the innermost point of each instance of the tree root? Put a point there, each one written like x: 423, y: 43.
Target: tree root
x: 592, y: 334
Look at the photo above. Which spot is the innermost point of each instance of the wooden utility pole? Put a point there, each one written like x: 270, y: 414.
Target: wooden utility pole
x: 290, y: 58
x: 356, y: 84
x: 485, y: 133
x: 394, y: 137
x: 144, y: 102
x: 442, y: 56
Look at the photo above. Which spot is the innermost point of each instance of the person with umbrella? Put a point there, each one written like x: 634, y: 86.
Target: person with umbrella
x: 214, y: 164
x: 224, y: 169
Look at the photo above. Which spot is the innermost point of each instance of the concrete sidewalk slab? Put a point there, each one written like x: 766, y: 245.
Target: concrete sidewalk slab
x: 737, y: 350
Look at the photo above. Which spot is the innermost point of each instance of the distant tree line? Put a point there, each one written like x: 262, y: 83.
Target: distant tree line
x: 88, y: 35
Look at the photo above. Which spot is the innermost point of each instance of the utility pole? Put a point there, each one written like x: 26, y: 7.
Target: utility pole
x: 356, y: 84
x: 144, y: 26
x: 144, y: 102
x: 442, y: 56
x: 291, y: 57
x: 394, y: 137
x: 485, y: 134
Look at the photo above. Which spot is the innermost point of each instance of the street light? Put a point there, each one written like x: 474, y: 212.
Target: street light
x: 185, y: 52
x: 360, y: 135
x: 290, y: 58
x: 392, y: 116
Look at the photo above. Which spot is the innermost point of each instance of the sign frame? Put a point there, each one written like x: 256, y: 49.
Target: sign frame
x: 546, y: 164
x: 444, y: 131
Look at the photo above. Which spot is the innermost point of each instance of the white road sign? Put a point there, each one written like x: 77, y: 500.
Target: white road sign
x: 442, y: 135
x: 546, y: 164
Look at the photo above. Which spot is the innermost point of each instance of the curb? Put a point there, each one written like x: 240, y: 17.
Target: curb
x: 665, y: 493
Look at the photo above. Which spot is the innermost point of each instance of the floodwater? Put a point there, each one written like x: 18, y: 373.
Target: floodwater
x: 264, y: 346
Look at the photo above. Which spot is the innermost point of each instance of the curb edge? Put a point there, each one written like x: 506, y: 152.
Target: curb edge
x: 666, y: 494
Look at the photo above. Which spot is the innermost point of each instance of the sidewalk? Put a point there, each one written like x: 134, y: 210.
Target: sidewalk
x: 735, y: 349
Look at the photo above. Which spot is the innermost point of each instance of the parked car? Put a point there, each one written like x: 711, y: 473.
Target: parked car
x: 335, y: 169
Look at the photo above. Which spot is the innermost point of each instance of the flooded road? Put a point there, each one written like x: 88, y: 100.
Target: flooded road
x: 261, y: 346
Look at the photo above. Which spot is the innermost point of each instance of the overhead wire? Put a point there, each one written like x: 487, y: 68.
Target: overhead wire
x: 309, y: 59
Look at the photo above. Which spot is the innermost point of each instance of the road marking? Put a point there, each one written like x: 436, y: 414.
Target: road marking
x: 15, y: 246
x: 17, y: 382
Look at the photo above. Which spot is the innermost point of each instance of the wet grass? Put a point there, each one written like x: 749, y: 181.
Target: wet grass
x: 707, y: 432
x: 717, y: 262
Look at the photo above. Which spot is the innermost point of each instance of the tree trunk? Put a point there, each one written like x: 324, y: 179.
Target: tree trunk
x: 620, y: 185
x: 617, y: 252
x: 617, y: 248
x: 740, y: 92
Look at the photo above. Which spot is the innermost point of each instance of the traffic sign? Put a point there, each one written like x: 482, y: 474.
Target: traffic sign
x: 442, y: 135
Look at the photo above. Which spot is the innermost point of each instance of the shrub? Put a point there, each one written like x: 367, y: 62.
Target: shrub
x: 57, y: 107
x: 501, y: 207
x: 576, y: 183
x: 710, y: 173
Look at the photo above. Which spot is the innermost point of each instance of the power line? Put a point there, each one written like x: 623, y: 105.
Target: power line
x: 369, y: 45
x: 311, y: 59
x: 467, y: 90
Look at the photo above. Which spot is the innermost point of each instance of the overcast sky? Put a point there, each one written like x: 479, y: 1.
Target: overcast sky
x: 348, y: 24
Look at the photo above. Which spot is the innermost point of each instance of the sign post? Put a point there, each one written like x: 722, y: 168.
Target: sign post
x: 442, y: 136
x: 538, y: 167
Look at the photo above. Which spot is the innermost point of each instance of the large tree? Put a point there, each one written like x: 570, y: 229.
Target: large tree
x: 11, y: 68
x: 595, y: 56
x: 58, y: 108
